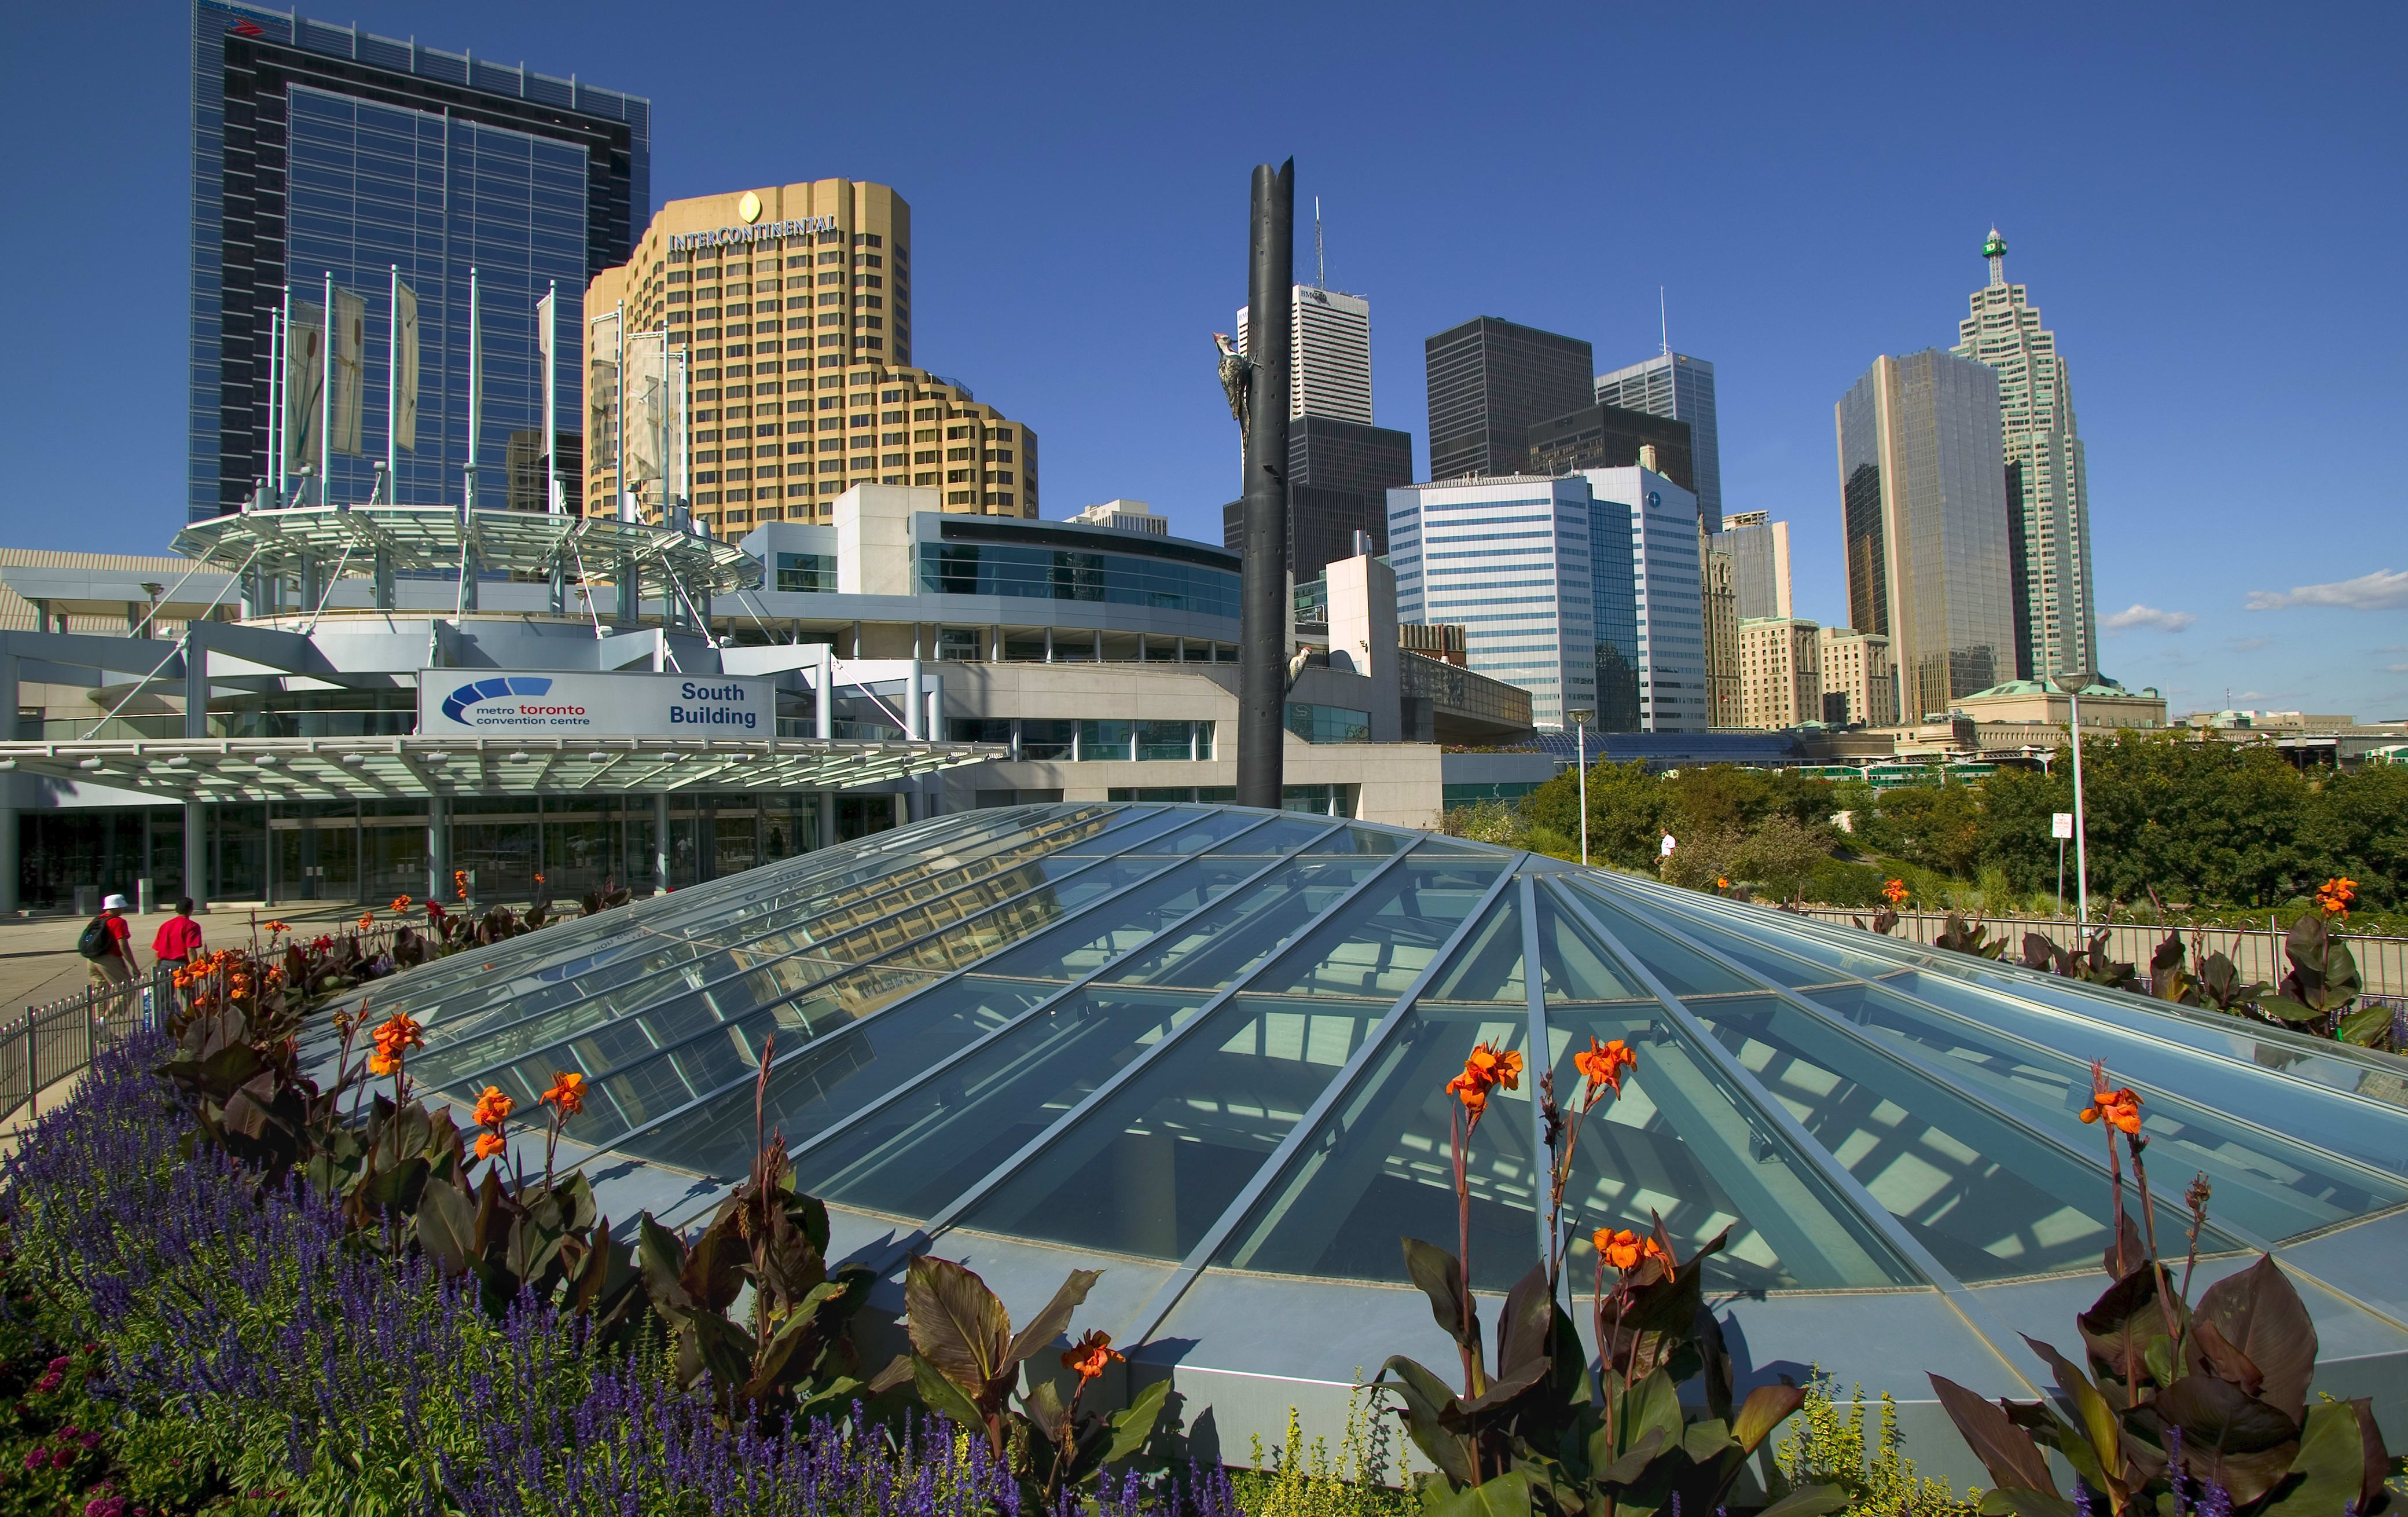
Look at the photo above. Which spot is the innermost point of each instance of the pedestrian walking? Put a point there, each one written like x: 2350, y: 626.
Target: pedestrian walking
x: 107, y: 945
x: 178, y: 939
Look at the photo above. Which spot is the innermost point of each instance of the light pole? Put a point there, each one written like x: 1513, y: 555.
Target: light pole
x: 1580, y: 729
x: 2072, y: 681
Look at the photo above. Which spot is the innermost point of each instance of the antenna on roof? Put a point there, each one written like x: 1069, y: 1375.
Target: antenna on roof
x: 1320, y: 263
x: 1663, y: 321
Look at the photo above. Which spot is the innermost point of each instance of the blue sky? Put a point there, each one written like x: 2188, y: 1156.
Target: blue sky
x: 2206, y: 201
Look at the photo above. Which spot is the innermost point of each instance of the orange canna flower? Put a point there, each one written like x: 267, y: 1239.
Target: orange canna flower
x: 490, y: 1144
x: 1602, y: 1063
x: 459, y: 882
x: 2118, y: 1108
x: 401, y: 905
x: 1494, y: 1067
x: 1625, y: 1250
x: 2334, y: 896
x: 381, y: 1062
x: 1895, y: 893
x: 394, y: 1036
x: 1721, y: 883
x: 1471, y: 1091
x: 494, y: 1108
x: 273, y: 927
x: 567, y: 1093
x: 1089, y: 1357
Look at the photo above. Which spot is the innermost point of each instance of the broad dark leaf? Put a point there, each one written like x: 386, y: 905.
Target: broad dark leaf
x: 1428, y: 1399
x: 2225, y: 1362
x: 958, y: 1326
x: 447, y: 1228
x: 2330, y: 1465
x: 2123, y: 1327
x: 661, y: 1260
x: 714, y: 1270
x: 790, y: 1355
x: 1524, y: 1329
x: 1605, y: 1469
x: 1045, y: 1407
x: 1507, y: 1495
x: 709, y: 1344
x: 2006, y: 1451
x: 2378, y: 1458
x: 2136, y: 1251
x: 1133, y: 1427
x: 2237, y: 1441
x: 2097, y: 1419
x: 1716, y: 1365
x: 939, y: 1394
x: 1818, y: 1501
x: 1441, y: 1277
x: 1053, y: 1322
x: 2260, y: 1313
x: 1764, y: 1409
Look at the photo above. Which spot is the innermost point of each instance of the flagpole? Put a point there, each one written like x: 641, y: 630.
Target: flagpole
x: 393, y: 386
x: 551, y: 500
x: 627, y: 511
x: 476, y: 356
x: 326, y: 399
x: 275, y: 335
x: 284, y: 401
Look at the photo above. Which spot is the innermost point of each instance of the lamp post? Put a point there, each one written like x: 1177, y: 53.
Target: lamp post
x: 1580, y: 720
x: 2072, y: 681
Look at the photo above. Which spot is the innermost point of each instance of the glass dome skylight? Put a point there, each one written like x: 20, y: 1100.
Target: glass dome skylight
x: 1216, y: 1040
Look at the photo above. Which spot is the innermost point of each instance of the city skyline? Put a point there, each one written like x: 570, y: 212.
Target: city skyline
x: 2179, y: 603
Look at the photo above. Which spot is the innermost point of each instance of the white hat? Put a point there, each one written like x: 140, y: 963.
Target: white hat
x: 117, y: 902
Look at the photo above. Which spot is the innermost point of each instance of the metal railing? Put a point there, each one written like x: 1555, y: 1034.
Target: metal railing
x: 51, y: 1043
x: 2257, y: 952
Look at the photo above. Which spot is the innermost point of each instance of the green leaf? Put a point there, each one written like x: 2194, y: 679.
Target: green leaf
x: 1704, y: 1442
x: 1426, y: 1400
x: 1131, y: 1428
x: 1605, y: 1469
x: 958, y: 1326
x: 1811, y: 1501
x: 939, y: 1394
x: 2331, y: 1459
x: 709, y: 1343
x: 2365, y: 1027
x: 2016, y: 1501
x: 2291, y: 1011
x: 2099, y: 1422
x: 1654, y: 1402
x: 1765, y: 1409
x: 661, y: 1258
x: 447, y: 1228
x: 1507, y: 1495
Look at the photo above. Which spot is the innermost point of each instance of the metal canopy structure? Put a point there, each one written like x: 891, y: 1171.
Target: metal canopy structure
x: 1207, y: 1047
x: 311, y: 543
x: 414, y: 768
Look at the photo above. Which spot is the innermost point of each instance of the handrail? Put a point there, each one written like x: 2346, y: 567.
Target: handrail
x: 51, y: 1043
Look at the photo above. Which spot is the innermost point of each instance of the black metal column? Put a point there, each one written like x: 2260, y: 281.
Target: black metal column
x: 1263, y: 653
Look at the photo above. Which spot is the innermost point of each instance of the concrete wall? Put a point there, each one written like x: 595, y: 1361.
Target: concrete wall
x: 873, y: 538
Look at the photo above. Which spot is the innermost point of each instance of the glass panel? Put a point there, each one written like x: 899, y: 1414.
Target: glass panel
x: 1124, y: 923
x: 1683, y: 970
x: 1387, y: 936
x: 1677, y: 1142
x: 1225, y: 942
x: 1152, y: 1169
x: 828, y: 1081
x: 1363, y: 840
x: 1574, y: 967
x: 913, y: 1157
x: 2229, y: 1123
x: 1489, y: 968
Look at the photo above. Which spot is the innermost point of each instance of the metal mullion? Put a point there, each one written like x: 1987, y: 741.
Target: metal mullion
x: 1913, y: 1063
x: 987, y: 1184
x: 1975, y: 1315
x: 2273, y: 1138
x: 1541, y: 1059
x: 1151, y: 1315
x: 730, y: 948
x: 977, y: 1045
x: 800, y: 990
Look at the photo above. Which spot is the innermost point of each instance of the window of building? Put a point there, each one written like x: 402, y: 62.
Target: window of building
x: 811, y: 573
x: 1328, y: 723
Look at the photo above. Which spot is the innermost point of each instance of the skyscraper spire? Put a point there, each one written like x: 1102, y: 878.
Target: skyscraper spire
x: 1995, y: 250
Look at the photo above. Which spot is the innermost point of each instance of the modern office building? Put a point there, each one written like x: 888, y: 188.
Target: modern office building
x: 1340, y: 474
x: 1759, y: 551
x: 1781, y: 672
x: 1668, y: 595
x: 325, y: 155
x: 2048, y: 482
x: 783, y: 313
x: 1329, y: 353
x: 1859, y: 681
x: 1509, y: 560
x: 1599, y: 436
x: 1490, y: 382
x: 1676, y: 384
x: 1924, y: 507
x: 1127, y: 515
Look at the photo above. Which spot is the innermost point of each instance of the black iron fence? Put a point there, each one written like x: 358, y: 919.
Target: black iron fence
x: 50, y: 1043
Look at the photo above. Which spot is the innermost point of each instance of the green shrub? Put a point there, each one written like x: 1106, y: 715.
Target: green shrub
x: 1835, y: 882
x: 1828, y: 1447
x: 1364, y: 1480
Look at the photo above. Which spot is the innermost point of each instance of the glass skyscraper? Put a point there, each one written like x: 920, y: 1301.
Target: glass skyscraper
x: 1668, y: 595
x: 1924, y: 505
x: 1677, y: 386
x: 322, y: 151
x: 1490, y: 382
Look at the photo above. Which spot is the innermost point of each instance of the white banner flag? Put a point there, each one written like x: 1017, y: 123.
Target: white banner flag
x: 305, y: 379
x: 350, y: 363
x: 405, y: 368
x: 651, y: 410
x: 601, y: 388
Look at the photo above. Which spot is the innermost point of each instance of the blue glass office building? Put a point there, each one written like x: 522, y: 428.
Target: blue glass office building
x: 319, y: 149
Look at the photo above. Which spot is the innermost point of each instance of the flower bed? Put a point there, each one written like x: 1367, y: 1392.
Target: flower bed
x: 179, y: 1335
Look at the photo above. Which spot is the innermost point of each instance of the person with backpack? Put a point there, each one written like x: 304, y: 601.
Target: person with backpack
x: 107, y: 946
x: 179, y: 939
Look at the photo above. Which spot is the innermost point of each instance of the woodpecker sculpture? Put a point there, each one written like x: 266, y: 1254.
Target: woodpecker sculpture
x: 1237, y: 379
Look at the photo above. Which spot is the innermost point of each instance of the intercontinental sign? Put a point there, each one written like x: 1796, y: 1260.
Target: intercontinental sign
x: 764, y: 232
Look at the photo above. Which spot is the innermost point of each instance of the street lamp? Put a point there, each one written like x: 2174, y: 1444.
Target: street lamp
x: 2071, y: 681
x: 1580, y: 720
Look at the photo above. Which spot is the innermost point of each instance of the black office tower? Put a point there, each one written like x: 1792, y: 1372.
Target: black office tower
x: 1490, y: 382
x: 327, y: 154
x: 1338, y: 477
x: 1610, y: 437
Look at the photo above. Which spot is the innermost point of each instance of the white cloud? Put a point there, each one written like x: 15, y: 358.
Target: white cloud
x: 2386, y: 589
x: 2138, y: 615
x: 2395, y: 669
x: 2243, y: 644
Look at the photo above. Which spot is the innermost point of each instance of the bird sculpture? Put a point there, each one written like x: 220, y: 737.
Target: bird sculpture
x: 1237, y: 377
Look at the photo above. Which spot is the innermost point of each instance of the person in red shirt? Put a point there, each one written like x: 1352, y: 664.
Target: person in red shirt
x: 112, y: 965
x: 179, y: 941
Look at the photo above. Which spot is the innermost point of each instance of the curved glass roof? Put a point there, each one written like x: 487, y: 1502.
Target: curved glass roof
x: 1218, y: 1039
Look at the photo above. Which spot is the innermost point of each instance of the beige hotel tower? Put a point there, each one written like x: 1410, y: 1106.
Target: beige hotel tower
x: 793, y: 307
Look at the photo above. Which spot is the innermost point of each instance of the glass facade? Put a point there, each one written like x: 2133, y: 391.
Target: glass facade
x: 1667, y: 596
x: 1049, y: 573
x: 324, y: 151
x: 1676, y: 384
x: 1490, y: 382
x: 1924, y: 497
x: 1614, y: 596
x: 812, y: 573
x: 1328, y: 723
x: 1220, y: 1037
x: 1510, y: 563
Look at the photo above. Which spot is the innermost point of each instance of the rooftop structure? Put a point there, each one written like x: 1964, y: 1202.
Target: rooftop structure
x: 1207, y: 1048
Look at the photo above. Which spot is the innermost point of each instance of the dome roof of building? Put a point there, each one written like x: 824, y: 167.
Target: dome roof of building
x: 2099, y: 685
x: 1206, y: 1049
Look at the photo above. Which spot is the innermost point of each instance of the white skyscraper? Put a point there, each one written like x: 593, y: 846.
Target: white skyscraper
x: 1329, y: 354
x: 2048, y: 484
x: 1508, y: 561
x: 1664, y: 547
x: 1677, y: 386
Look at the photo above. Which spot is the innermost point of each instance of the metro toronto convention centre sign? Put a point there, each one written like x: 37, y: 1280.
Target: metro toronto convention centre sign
x: 515, y: 703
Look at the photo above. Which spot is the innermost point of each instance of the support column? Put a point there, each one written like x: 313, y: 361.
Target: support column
x: 196, y: 853
x: 1264, y: 601
x: 827, y: 818
x: 824, y: 705
x: 196, y: 726
x: 439, y: 848
x: 915, y: 725
x: 9, y: 856
x: 661, y: 842
x: 902, y: 808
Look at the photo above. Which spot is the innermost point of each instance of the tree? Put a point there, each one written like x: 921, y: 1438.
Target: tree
x: 1626, y: 813
x: 1937, y: 826
x: 1781, y: 852
x: 2358, y: 824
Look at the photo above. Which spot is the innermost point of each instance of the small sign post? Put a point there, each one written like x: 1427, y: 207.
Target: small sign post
x: 2060, y: 827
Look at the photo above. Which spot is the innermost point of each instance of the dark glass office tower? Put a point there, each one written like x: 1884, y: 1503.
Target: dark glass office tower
x: 321, y: 150
x: 1490, y: 382
x: 1610, y: 437
x: 1340, y: 474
